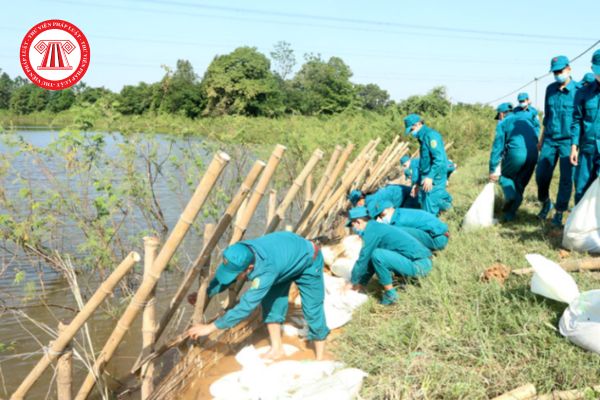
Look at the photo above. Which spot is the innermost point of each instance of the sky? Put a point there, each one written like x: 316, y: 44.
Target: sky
x: 479, y: 50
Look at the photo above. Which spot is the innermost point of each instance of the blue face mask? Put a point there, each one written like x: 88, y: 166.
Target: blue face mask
x: 561, y: 78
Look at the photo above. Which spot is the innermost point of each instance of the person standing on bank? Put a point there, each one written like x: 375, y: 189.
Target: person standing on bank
x: 585, y: 130
x: 555, y: 142
x: 433, y: 167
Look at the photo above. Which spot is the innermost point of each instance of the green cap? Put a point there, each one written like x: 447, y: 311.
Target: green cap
x: 558, y: 63
x: 404, y: 159
x: 596, y: 58
x: 588, y: 78
x: 377, y: 207
x: 503, y: 108
x: 355, y: 196
x: 522, y: 96
x: 409, y: 121
x: 355, y: 213
x: 236, y: 258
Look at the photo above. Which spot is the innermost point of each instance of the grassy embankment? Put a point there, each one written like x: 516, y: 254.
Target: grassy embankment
x: 451, y: 336
x: 454, y: 337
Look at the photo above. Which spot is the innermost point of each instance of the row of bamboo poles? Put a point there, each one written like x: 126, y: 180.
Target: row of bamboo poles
x: 322, y: 206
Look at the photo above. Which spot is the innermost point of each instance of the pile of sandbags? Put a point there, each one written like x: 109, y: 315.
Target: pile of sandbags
x: 341, y: 258
x: 287, y: 380
x: 580, y: 322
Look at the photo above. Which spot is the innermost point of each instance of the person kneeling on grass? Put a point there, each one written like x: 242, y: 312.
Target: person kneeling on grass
x: 386, y: 250
x: 423, y: 226
x: 272, y: 262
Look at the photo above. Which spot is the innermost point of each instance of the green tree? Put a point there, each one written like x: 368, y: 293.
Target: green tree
x: 373, y: 97
x: 434, y: 103
x: 283, y: 58
x: 6, y: 88
x: 85, y: 94
x: 61, y: 100
x: 28, y: 98
x: 180, y: 91
x: 241, y: 83
x: 322, y: 87
x: 135, y: 99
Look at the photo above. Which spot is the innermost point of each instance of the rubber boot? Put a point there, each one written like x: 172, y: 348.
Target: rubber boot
x: 389, y: 297
x: 546, y: 207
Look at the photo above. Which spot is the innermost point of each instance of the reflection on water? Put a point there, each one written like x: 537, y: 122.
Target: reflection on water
x: 46, y: 298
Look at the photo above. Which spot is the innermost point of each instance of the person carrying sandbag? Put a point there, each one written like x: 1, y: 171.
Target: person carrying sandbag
x: 515, y: 149
x: 386, y: 251
x: 426, y: 228
x: 272, y: 262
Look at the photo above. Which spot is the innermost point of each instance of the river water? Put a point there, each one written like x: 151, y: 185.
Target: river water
x: 36, y: 301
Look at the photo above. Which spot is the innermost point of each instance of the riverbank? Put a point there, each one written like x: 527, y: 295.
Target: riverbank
x: 453, y: 336
x: 468, y: 128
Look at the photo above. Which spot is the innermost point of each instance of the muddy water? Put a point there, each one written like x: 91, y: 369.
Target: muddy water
x: 47, y: 292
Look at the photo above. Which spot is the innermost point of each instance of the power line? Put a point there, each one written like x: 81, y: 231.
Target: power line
x: 357, y: 21
x: 335, y: 27
x: 544, y: 75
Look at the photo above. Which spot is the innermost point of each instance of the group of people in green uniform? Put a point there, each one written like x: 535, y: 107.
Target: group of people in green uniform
x: 570, y: 138
x: 399, y: 227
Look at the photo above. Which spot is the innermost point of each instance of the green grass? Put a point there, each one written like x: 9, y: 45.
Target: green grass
x: 454, y: 337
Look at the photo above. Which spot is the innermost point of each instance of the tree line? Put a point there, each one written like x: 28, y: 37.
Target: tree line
x: 243, y: 82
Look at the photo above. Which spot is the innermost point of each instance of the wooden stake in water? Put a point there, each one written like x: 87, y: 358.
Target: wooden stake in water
x: 151, y: 245
x: 186, y: 220
x: 64, y: 368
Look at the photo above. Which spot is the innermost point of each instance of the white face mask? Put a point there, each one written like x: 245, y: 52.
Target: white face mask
x: 387, y: 219
x: 523, y: 104
x: 598, y: 78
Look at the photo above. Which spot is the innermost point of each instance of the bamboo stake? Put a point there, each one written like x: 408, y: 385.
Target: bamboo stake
x: 294, y: 189
x: 321, y: 185
x: 201, y: 295
x: 272, y: 206
x: 82, y: 316
x: 347, y: 181
x: 257, y: 194
x: 575, y: 394
x: 204, y: 255
x: 335, y: 155
x: 174, y: 240
x: 308, y: 189
x: 328, y: 184
x: 524, y: 392
x: 151, y: 245
x: 585, y: 264
x: 200, y: 264
x: 64, y: 368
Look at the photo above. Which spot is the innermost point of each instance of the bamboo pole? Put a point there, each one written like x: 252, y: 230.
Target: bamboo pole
x: 524, y: 392
x: 202, y: 260
x: 151, y: 245
x: 203, y: 257
x: 575, y: 394
x: 347, y: 181
x: 272, y: 206
x: 335, y: 155
x: 293, y: 191
x: 320, y: 186
x: 240, y: 227
x: 186, y: 219
x: 308, y: 185
x: 329, y: 184
x: 82, y: 316
x: 64, y: 369
x: 585, y: 264
x: 201, y: 295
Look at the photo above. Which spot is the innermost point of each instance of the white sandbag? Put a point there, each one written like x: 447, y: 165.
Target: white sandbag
x: 328, y: 255
x: 352, y: 245
x: 339, y: 303
x: 342, y: 385
x: 550, y: 280
x: 481, y: 212
x: 580, y: 323
x: 582, y: 229
x: 293, y: 331
x: 342, y: 267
